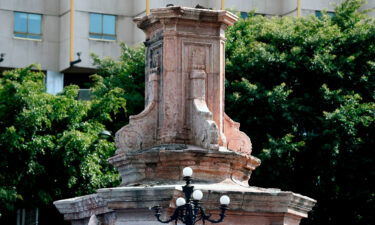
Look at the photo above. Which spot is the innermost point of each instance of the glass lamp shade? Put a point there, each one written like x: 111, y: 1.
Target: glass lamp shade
x: 187, y: 172
x: 180, y: 202
x: 224, y: 200
x: 197, y: 195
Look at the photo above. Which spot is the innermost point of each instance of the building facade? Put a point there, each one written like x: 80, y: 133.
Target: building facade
x: 52, y: 32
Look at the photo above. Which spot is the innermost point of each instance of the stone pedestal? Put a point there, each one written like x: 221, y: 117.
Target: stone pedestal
x: 130, y: 205
x: 184, y: 124
x: 184, y: 83
x: 163, y: 165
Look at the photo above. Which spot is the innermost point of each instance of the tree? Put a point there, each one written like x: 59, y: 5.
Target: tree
x: 50, y: 147
x: 303, y: 90
x: 126, y: 74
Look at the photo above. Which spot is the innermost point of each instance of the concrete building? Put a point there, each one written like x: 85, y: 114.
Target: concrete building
x: 52, y: 32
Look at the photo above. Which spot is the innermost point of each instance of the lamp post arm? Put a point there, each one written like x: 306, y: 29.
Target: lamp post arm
x: 188, y: 210
x: 174, y: 217
x: 222, y: 215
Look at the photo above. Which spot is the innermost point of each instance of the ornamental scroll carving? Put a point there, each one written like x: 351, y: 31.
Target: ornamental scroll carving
x: 142, y: 128
x: 236, y: 139
x: 141, y: 132
x: 205, y: 132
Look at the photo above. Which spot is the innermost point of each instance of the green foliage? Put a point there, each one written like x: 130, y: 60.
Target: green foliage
x: 126, y: 78
x: 303, y: 90
x: 50, y: 147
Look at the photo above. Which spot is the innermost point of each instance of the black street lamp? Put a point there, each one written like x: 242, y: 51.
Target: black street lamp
x: 188, y: 209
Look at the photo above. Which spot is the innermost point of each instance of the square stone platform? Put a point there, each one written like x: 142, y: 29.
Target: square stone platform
x: 131, y: 205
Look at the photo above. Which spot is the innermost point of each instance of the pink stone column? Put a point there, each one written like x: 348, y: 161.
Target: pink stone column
x: 181, y: 43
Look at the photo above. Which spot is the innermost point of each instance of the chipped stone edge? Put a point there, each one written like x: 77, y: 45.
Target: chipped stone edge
x: 204, y: 15
x: 244, y: 199
x: 82, y: 207
x: 248, y: 200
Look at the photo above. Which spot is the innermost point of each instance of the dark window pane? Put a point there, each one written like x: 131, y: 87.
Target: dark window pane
x: 318, y: 14
x: 33, y: 36
x: 244, y: 15
x: 20, y: 22
x: 109, y: 24
x: 331, y: 14
x: 96, y: 36
x: 20, y: 35
x: 96, y: 23
x: 109, y: 37
x: 34, y: 25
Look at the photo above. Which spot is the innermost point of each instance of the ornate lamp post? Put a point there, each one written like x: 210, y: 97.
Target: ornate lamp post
x: 188, y: 210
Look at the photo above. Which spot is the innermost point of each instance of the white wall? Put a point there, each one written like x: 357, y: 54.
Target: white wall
x: 54, y: 82
x: 53, y: 50
x: 82, y: 43
x: 50, y: 7
x: 21, y: 52
x: 370, y: 5
x: 64, y: 44
x: 115, y: 7
x: 320, y: 4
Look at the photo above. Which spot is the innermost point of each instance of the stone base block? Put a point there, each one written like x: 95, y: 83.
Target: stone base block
x: 131, y: 205
x: 163, y: 164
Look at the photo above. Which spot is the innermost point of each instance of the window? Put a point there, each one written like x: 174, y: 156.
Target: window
x: 102, y: 26
x: 28, y: 216
x: 27, y: 25
x: 319, y: 14
x: 244, y: 15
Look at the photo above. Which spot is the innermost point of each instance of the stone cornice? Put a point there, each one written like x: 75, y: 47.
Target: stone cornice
x: 186, y: 13
x: 243, y: 199
x: 246, y: 200
x: 82, y: 207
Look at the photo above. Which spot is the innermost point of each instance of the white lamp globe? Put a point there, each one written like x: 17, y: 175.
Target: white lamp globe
x: 224, y: 200
x: 180, y: 202
x: 187, y: 172
x: 197, y: 195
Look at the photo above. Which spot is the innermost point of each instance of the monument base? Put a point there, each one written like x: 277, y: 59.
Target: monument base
x: 184, y: 125
x: 131, y: 205
x: 163, y: 165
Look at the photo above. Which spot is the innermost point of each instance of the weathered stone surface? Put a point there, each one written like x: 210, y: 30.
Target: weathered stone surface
x: 163, y: 164
x: 93, y: 220
x: 141, y: 130
x: 249, y: 205
x: 82, y: 207
x: 184, y: 83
